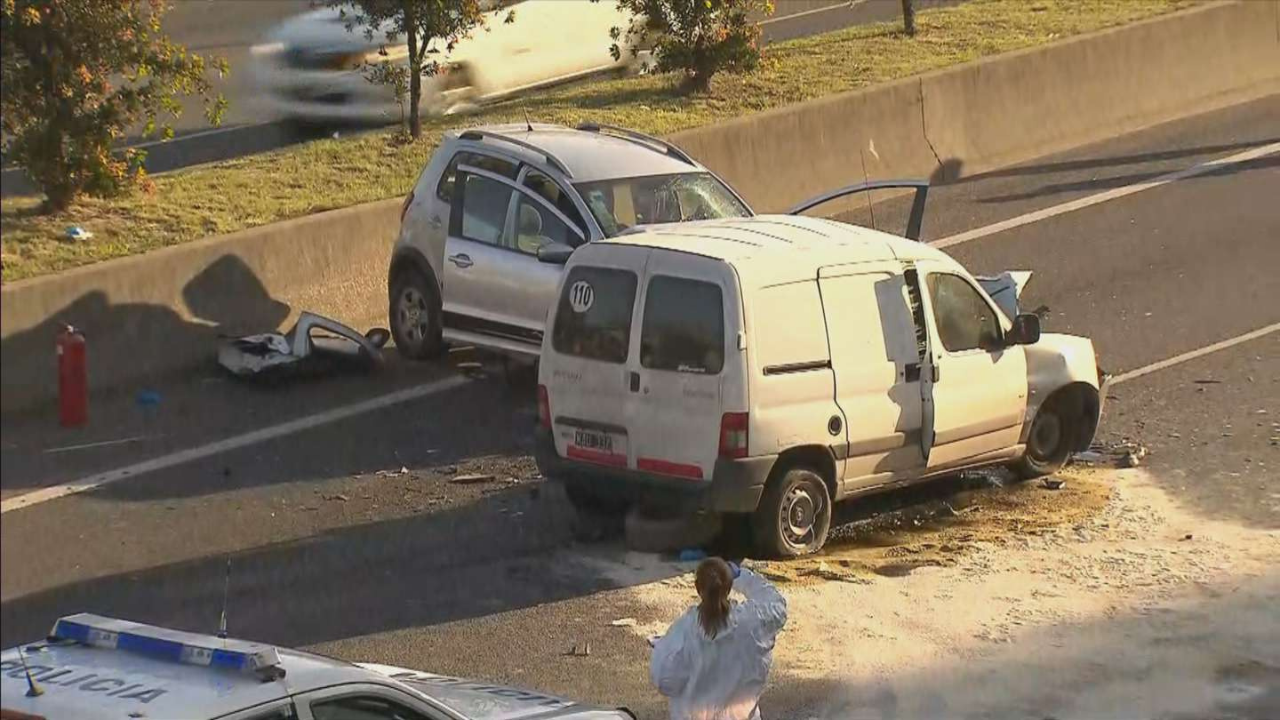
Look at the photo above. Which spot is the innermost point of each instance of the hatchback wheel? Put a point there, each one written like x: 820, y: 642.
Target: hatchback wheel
x: 794, y: 514
x: 415, y: 316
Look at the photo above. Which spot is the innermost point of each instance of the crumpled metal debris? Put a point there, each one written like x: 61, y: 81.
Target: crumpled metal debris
x: 1127, y: 454
x: 314, y: 341
x: 1005, y: 289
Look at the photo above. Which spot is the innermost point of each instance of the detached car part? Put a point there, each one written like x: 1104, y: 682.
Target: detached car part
x: 275, y: 354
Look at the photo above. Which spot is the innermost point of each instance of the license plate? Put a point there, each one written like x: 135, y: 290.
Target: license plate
x: 588, y: 440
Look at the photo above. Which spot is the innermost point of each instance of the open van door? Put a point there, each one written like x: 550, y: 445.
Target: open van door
x: 914, y: 221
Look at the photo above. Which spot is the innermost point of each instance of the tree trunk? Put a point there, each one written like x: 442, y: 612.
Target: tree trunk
x: 909, y: 17
x: 416, y: 56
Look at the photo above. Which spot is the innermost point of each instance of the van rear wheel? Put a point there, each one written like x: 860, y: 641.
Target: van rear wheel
x: 794, y: 514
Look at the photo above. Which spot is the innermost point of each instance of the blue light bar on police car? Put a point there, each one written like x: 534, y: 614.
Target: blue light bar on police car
x: 163, y: 643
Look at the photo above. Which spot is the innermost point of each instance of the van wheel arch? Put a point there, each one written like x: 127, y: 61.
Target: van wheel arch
x: 802, y: 481
x: 1075, y: 408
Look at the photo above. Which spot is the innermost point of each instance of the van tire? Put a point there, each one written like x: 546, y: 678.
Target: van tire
x: 794, y: 515
x: 418, y: 335
x: 1048, y: 442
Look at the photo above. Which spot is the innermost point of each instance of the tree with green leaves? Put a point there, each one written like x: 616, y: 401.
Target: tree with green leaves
x: 77, y: 75
x: 427, y: 28
x: 697, y: 37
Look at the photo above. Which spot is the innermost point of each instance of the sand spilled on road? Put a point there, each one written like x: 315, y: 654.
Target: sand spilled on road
x: 1102, y: 599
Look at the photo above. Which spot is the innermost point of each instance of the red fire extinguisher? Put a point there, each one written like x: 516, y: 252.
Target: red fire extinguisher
x: 73, y: 380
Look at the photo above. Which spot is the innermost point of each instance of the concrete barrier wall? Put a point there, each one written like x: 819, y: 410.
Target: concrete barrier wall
x: 161, y: 312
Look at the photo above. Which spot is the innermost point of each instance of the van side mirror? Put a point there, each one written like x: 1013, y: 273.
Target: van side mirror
x: 1025, y: 330
x: 554, y: 253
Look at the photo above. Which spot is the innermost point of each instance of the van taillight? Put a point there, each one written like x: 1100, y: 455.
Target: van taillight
x: 733, y: 435
x: 408, y: 200
x: 544, y: 407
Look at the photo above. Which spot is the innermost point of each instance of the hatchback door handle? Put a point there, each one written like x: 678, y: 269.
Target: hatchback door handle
x: 462, y: 260
x: 635, y: 382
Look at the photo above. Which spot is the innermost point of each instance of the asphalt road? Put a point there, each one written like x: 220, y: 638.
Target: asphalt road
x: 230, y: 28
x: 480, y: 576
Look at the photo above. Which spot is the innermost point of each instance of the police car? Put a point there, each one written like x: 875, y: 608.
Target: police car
x: 102, y: 668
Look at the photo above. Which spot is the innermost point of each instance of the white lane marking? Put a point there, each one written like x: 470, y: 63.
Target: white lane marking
x: 1117, y: 193
x: 842, y: 6
x: 92, y: 482
x: 196, y: 135
x: 1193, y: 354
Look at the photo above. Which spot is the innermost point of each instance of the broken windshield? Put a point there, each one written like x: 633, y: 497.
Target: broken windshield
x: 622, y: 203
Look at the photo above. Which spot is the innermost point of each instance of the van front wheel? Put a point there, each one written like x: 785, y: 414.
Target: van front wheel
x: 794, y: 514
x: 1048, y: 442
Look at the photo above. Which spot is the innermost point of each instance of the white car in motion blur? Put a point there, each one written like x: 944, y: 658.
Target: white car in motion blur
x: 312, y: 68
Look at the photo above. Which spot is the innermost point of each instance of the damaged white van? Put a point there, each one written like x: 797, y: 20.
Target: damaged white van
x: 774, y: 365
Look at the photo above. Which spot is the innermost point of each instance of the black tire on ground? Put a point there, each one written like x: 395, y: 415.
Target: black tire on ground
x: 415, y: 316
x: 1049, y: 441
x: 794, y: 514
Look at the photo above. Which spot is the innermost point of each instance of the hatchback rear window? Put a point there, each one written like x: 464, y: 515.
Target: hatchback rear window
x: 593, y: 319
x: 683, y: 326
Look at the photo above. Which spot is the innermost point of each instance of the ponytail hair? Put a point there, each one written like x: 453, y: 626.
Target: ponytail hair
x: 713, y: 581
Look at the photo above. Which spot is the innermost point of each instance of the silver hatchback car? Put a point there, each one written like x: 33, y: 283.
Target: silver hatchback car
x: 490, y: 222
x: 498, y: 210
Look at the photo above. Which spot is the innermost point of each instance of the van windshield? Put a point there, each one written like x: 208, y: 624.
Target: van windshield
x: 622, y: 203
x: 593, y: 320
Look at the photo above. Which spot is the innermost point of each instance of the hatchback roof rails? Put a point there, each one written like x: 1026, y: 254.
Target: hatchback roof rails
x: 640, y: 137
x: 552, y: 160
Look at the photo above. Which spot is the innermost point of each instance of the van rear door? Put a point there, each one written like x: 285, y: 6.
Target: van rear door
x: 687, y: 364
x: 587, y: 376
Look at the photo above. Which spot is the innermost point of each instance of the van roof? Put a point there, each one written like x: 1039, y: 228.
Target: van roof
x: 777, y: 246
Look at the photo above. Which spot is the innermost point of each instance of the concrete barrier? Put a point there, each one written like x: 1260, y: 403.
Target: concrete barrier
x: 160, y: 312
x: 153, y: 314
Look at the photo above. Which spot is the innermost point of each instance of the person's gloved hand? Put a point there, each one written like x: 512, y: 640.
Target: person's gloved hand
x: 735, y: 569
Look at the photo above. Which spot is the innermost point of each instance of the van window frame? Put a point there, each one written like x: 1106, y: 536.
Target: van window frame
x: 724, y: 324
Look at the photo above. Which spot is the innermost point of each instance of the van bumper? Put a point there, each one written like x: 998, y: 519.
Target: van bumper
x: 735, y: 485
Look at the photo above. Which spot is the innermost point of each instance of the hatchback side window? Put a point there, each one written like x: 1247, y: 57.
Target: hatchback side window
x: 551, y: 191
x: 965, y: 321
x: 363, y: 707
x: 683, y: 328
x: 593, y: 319
x: 497, y: 166
x: 537, y: 226
x: 485, y: 202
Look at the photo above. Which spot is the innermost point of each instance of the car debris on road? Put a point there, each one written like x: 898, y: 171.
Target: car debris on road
x: 273, y: 355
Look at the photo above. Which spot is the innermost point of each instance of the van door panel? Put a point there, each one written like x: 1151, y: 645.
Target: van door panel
x: 793, y: 387
x: 590, y: 384
x: 979, y: 393
x: 679, y: 396
x: 873, y: 348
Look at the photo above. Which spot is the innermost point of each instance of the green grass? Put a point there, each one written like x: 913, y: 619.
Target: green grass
x: 326, y: 174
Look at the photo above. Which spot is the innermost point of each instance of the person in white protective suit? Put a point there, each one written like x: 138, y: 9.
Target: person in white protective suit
x: 713, y: 662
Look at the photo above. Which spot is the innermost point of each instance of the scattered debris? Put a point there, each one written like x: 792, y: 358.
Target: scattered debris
x: 393, y: 473
x: 1188, y: 536
x: 273, y: 354
x: 1125, y: 454
x: 448, y: 469
x: 1208, y: 382
x: 1054, y: 483
x: 75, y: 232
x: 583, y: 650
x: 473, y: 479
x: 624, y: 622
x: 336, y: 496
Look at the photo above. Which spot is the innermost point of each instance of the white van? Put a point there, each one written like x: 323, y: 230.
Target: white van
x: 771, y: 365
